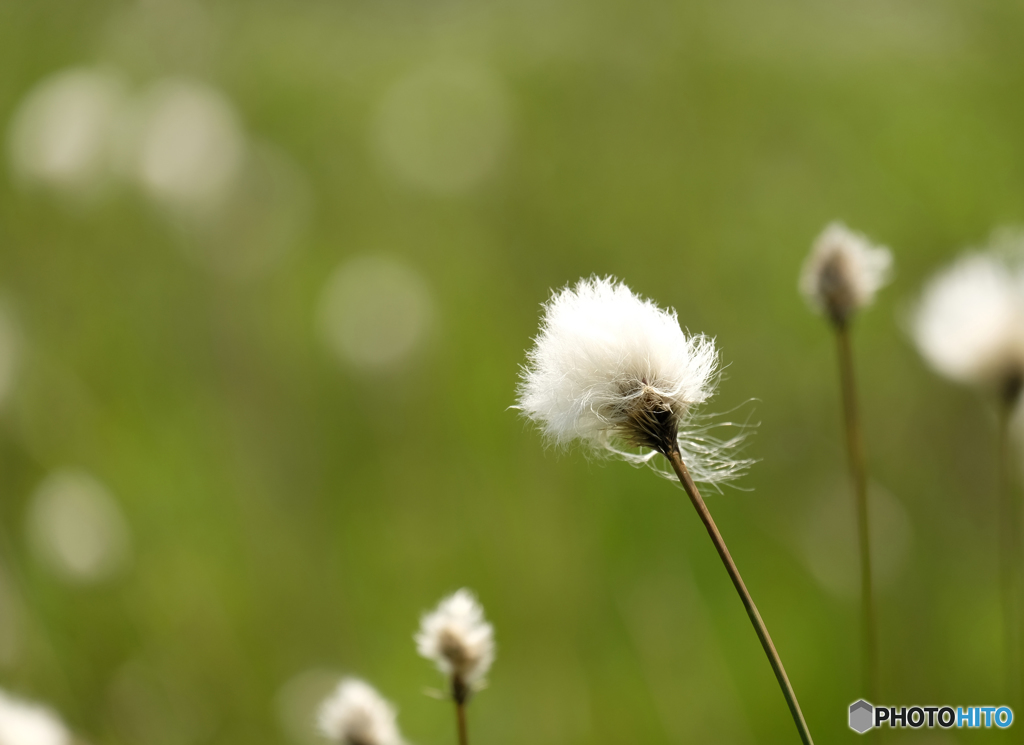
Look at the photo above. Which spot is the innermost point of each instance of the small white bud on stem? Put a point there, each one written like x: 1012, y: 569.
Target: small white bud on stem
x: 841, y: 276
x: 457, y: 639
x: 843, y: 272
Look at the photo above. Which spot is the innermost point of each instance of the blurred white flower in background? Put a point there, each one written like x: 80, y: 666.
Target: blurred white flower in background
x: 186, y: 145
x: 456, y: 637
x: 76, y: 528
x: 843, y: 272
x: 62, y: 132
x: 969, y: 322
x: 26, y: 723
x: 355, y: 714
x: 443, y: 128
x: 375, y: 311
x: 829, y: 546
x: 238, y: 205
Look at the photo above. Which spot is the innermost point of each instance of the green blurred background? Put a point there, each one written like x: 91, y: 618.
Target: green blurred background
x: 286, y: 397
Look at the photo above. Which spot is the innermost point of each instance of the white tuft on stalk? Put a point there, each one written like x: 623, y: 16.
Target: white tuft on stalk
x: 456, y: 638
x: 843, y: 272
x: 969, y: 323
x: 355, y: 714
x: 615, y: 371
x: 26, y: 723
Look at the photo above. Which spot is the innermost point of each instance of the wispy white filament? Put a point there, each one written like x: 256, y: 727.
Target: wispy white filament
x: 457, y: 639
x: 355, y: 714
x: 969, y: 323
x: 25, y: 723
x: 843, y: 272
x: 602, y: 353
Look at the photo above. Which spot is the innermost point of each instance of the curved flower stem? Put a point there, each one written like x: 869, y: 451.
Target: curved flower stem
x: 683, y: 473
x: 1009, y: 554
x: 858, y: 475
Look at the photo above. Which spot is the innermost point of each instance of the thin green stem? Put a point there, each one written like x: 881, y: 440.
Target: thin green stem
x: 460, y: 715
x: 674, y: 457
x: 460, y: 695
x: 858, y: 475
x: 1009, y: 554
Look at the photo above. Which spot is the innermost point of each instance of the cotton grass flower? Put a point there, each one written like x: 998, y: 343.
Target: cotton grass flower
x: 26, y: 723
x: 456, y: 637
x: 969, y: 326
x: 969, y: 323
x: 843, y: 272
x: 613, y: 371
x: 355, y: 714
x: 609, y: 368
x: 840, y: 277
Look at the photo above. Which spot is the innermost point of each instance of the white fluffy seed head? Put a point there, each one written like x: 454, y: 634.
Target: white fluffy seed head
x: 26, y: 723
x: 456, y: 638
x: 843, y: 272
x: 969, y: 323
x: 613, y: 370
x: 355, y: 714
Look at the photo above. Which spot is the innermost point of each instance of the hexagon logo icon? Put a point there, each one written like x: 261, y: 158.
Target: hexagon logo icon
x: 862, y: 716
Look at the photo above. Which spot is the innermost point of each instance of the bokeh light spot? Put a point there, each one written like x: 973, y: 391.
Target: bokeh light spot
x: 76, y: 528
x: 443, y: 128
x: 829, y: 541
x: 375, y: 312
x: 187, y: 146
x: 60, y: 135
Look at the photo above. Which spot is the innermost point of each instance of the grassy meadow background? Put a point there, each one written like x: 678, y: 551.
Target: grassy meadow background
x: 291, y: 511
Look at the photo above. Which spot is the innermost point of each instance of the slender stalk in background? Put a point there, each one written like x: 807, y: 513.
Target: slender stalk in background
x: 674, y: 457
x: 1009, y: 544
x: 840, y: 277
x: 858, y: 475
x: 459, y: 694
